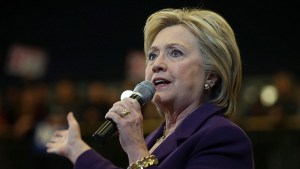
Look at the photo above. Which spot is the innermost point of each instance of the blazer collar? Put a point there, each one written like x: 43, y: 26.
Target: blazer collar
x: 188, y: 126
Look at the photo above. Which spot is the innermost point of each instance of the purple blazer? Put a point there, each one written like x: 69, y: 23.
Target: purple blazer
x: 204, y: 140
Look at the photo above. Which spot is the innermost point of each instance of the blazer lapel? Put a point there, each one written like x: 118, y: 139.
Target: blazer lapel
x: 189, y: 126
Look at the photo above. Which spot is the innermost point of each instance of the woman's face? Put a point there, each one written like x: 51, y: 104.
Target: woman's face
x: 174, y: 66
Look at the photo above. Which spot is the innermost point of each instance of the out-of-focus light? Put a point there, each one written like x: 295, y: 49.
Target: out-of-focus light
x: 268, y: 95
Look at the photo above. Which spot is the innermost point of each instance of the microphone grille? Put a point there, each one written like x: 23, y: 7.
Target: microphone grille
x: 146, y: 90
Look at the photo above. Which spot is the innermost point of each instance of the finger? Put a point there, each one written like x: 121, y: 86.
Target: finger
x: 132, y: 103
x: 117, y: 109
x: 51, y: 147
x: 120, y: 111
x: 60, y: 133
x: 54, y: 139
x: 53, y: 150
x: 73, y: 124
x: 124, y: 108
x: 56, y: 148
x: 133, y: 106
x: 114, y: 116
x: 124, y: 112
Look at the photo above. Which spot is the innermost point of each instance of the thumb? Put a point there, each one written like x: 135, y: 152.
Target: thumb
x: 72, y: 122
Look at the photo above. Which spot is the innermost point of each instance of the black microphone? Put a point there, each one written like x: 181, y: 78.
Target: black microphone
x: 143, y: 92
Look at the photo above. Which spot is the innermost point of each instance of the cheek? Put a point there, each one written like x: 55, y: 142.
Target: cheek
x: 195, y: 76
x: 189, y: 72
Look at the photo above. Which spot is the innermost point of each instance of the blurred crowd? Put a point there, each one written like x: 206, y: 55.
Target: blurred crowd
x: 281, y: 96
x: 31, y: 110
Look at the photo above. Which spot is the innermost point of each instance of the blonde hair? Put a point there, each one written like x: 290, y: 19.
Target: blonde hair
x: 217, y: 45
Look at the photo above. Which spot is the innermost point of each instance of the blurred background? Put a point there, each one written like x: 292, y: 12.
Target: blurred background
x: 57, y: 57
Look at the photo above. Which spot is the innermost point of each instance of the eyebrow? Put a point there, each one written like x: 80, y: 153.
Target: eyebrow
x: 168, y: 46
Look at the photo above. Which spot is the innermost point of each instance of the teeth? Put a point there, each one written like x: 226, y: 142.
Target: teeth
x: 159, y: 82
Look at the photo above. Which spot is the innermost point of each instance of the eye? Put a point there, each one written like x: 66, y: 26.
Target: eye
x: 152, y: 56
x: 176, y: 53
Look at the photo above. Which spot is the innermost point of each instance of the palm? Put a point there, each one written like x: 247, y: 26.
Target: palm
x: 64, y: 138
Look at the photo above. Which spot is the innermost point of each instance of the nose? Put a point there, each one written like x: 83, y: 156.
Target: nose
x: 159, y: 64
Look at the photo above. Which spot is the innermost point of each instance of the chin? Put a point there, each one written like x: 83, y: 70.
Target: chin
x: 161, y: 99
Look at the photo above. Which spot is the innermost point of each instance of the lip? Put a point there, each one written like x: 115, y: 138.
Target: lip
x: 160, y: 84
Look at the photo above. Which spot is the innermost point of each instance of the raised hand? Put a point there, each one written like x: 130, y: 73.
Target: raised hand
x: 68, y: 142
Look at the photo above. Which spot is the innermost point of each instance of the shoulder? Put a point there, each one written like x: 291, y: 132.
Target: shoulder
x: 219, y: 130
x: 224, y: 141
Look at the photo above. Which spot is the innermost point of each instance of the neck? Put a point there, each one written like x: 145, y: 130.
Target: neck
x: 173, y: 120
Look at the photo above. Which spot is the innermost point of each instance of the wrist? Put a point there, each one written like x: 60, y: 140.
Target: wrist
x: 137, y: 152
x: 76, y: 150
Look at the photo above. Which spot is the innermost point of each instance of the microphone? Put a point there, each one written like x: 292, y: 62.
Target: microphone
x: 143, y: 92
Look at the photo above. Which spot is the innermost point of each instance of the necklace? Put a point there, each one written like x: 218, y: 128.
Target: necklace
x: 160, y: 139
x: 165, y: 134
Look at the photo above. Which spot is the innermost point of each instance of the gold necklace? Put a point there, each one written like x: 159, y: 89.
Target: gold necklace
x: 165, y: 134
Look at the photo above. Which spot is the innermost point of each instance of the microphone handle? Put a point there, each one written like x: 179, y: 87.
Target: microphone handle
x: 109, y: 127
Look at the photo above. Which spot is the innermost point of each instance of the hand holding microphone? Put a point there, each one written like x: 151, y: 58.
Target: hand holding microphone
x: 143, y: 92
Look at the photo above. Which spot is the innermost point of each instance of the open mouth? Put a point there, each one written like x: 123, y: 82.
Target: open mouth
x: 160, y: 81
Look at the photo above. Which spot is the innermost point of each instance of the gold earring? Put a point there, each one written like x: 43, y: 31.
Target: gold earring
x: 206, y: 86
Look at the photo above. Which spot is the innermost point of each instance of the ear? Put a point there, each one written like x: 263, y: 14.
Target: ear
x: 211, y: 79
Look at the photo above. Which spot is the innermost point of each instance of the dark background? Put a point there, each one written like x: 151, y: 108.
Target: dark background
x: 89, y: 40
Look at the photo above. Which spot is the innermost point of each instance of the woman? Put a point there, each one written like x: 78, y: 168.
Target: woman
x: 194, y: 63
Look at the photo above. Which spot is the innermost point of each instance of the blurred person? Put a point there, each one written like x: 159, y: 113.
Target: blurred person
x: 135, y: 64
x: 65, y: 97
x: 27, y: 107
x: 298, y: 97
x: 194, y: 62
x: 10, y: 106
x: 99, y: 99
x: 32, y: 109
x: 286, y: 103
x: 3, y: 119
x: 9, y: 113
x: 3, y: 131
